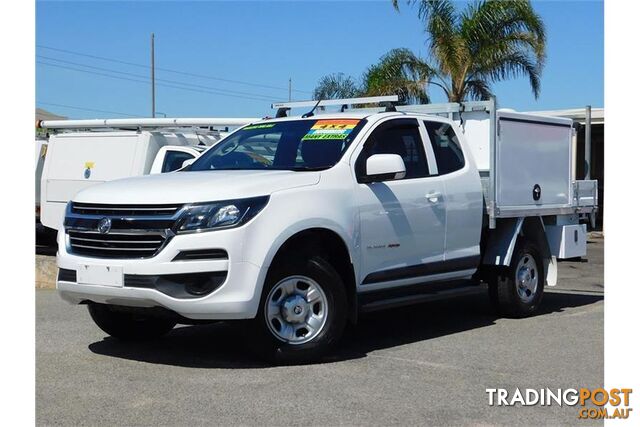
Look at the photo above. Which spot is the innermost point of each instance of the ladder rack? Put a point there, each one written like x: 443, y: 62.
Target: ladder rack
x: 284, y: 107
x: 142, y: 123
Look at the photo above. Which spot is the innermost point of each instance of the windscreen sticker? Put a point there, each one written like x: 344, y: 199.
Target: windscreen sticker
x: 330, y: 129
x: 262, y: 126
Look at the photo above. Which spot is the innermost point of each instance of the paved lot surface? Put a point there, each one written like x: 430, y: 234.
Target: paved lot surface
x: 428, y: 364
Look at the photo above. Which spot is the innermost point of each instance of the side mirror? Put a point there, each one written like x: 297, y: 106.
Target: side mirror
x: 187, y: 162
x: 385, y: 167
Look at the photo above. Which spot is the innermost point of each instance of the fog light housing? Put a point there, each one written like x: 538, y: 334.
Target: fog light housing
x: 182, y: 286
x: 200, y: 286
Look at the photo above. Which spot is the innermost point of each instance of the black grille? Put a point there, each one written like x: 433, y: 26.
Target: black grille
x: 124, y: 210
x: 115, y: 245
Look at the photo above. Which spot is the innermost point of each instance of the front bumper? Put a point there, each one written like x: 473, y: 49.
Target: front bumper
x: 236, y: 298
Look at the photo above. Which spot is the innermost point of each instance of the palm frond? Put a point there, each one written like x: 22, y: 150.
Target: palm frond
x: 487, y: 22
x: 478, y: 90
x: 510, y: 64
x: 441, y: 23
x: 399, y: 72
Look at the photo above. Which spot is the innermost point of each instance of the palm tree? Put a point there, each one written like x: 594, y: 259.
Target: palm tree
x: 401, y: 73
x: 488, y: 41
x: 335, y: 86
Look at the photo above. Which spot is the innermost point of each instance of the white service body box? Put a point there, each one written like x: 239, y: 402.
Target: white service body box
x: 567, y: 241
x: 529, y: 154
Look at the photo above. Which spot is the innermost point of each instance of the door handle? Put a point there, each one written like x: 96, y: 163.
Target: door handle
x: 433, y: 196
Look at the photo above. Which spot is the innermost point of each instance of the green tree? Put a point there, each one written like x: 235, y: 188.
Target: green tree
x: 399, y: 72
x: 335, y: 86
x: 486, y: 42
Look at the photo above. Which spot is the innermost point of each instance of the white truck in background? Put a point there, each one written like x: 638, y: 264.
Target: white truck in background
x: 298, y: 224
x: 41, y: 153
x: 82, y: 153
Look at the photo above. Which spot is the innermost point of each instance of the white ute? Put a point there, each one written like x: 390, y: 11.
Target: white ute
x: 300, y: 223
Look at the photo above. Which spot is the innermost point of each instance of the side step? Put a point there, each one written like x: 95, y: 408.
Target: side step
x: 415, y: 294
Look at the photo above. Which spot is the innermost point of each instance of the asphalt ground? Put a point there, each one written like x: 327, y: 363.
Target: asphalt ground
x: 428, y: 364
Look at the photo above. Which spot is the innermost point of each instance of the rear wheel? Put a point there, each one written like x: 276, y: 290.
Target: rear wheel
x: 303, y: 312
x: 517, y: 291
x: 129, y: 325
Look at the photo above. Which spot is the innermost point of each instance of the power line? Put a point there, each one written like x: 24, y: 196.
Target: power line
x: 211, y: 92
x: 158, y: 84
x: 87, y: 109
x: 91, y: 72
x: 102, y: 58
x: 232, y: 92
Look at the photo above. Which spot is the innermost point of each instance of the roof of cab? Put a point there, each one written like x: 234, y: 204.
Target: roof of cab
x: 359, y: 115
x: 335, y: 116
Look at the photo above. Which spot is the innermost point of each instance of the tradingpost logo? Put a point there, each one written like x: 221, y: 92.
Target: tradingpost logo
x: 592, y: 404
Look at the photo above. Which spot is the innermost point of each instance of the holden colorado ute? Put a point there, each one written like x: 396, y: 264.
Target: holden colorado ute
x: 298, y: 224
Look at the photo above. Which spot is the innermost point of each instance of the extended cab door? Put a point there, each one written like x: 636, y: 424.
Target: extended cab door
x: 463, y: 192
x: 402, y: 222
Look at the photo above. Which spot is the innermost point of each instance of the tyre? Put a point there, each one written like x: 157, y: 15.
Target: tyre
x: 517, y: 291
x: 302, y: 313
x: 128, y: 325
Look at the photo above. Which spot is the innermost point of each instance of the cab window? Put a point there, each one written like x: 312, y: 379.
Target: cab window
x: 446, y: 147
x: 401, y: 137
x: 173, y: 160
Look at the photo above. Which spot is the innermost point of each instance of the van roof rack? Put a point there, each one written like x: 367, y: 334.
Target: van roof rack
x: 388, y: 100
x: 145, y: 123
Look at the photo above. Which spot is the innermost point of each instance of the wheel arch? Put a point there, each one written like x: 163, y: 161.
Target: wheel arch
x: 501, y: 243
x: 332, y: 247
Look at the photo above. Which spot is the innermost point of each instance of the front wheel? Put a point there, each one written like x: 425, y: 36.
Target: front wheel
x: 517, y: 291
x: 128, y: 325
x: 303, y: 312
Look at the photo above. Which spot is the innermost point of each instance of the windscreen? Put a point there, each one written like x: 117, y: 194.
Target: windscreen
x: 297, y: 145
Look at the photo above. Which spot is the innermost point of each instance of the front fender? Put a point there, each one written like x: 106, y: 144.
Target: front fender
x: 293, y: 211
x: 308, y: 224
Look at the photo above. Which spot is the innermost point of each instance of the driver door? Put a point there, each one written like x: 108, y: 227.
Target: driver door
x: 402, y: 222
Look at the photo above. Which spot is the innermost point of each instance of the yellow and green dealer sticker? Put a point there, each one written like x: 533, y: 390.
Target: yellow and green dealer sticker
x: 262, y: 126
x: 330, y: 129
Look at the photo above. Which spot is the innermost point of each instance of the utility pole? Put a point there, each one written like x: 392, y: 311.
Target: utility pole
x: 289, y: 89
x: 587, y: 142
x: 153, y: 77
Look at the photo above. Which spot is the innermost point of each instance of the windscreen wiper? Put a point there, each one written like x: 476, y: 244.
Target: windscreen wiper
x: 309, y: 168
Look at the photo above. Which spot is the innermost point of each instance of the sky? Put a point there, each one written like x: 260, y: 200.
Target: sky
x: 233, y: 59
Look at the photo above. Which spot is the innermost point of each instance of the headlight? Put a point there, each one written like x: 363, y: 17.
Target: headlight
x: 225, y: 214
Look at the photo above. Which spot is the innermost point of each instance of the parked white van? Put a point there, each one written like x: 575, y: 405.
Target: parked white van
x: 41, y: 153
x: 82, y: 153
